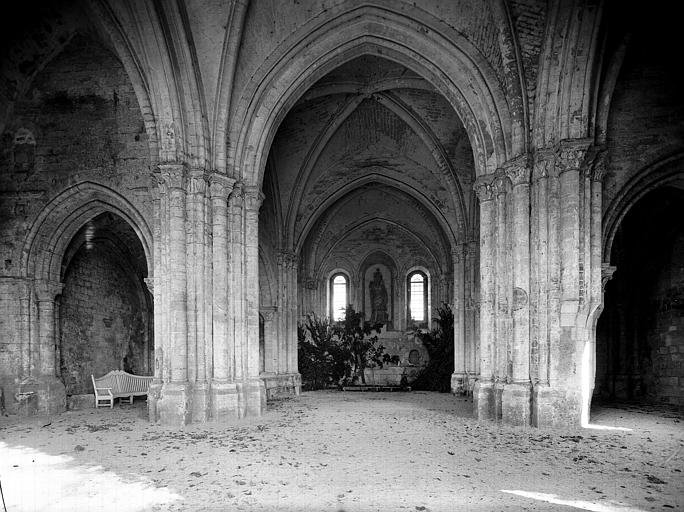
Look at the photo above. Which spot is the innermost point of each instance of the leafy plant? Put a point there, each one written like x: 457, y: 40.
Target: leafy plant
x: 439, y: 342
x: 337, y: 353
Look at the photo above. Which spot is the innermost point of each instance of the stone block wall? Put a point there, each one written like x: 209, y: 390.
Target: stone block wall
x: 104, y: 326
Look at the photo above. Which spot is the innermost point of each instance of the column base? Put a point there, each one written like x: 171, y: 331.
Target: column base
x: 458, y: 384
x: 252, y: 397
x: 174, y: 406
x: 483, y: 400
x: 44, y: 394
x: 200, y: 402
x: 224, y: 400
x: 153, y: 396
x: 516, y: 406
x: 555, y: 407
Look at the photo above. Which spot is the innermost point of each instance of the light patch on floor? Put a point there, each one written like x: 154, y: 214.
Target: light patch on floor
x: 580, y: 504
x: 33, y: 480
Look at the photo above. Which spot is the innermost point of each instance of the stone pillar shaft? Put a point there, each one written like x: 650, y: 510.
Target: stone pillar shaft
x: 177, y: 272
x: 253, y: 200
x: 221, y: 187
x: 521, y: 274
x: 237, y: 329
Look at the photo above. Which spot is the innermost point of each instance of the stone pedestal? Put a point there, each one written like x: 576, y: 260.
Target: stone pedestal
x: 174, y: 407
x: 44, y: 394
x: 252, y: 397
x: 200, y: 402
x: 483, y: 400
x: 459, y: 383
x: 224, y: 400
x: 516, y: 404
x: 556, y: 407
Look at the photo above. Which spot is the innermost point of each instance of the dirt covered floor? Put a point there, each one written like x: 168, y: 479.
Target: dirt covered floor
x: 333, y: 451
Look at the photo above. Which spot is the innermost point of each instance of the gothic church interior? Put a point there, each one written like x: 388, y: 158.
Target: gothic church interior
x: 182, y: 181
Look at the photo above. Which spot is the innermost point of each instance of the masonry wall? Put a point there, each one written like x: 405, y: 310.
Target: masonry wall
x: 104, y: 320
x: 80, y: 120
x: 646, y: 119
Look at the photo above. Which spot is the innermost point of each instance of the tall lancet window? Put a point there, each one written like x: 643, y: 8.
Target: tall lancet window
x: 417, y: 285
x: 339, y: 292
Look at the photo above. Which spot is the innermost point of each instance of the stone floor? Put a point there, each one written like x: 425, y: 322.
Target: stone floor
x: 338, y: 451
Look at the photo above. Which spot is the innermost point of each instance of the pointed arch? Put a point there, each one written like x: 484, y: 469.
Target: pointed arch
x: 61, y: 219
x: 454, y: 67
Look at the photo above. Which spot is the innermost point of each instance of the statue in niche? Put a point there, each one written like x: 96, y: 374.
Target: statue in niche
x: 378, y: 299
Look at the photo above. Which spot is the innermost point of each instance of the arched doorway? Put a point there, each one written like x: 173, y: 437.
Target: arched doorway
x: 105, y: 309
x: 639, y: 336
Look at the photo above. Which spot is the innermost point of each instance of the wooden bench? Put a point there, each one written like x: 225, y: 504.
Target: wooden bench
x: 119, y: 384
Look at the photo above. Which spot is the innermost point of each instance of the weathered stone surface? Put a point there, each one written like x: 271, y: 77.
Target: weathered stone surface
x: 252, y: 150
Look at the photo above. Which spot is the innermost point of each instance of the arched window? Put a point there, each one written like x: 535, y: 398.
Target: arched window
x: 417, y: 294
x: 339, y: 292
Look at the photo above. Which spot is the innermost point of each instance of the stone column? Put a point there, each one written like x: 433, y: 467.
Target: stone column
x: 503, y: 291
x: 517, y: 391
x: 483, y: 399
x: 459, y: 304
x: 292, y: 302
x: 472, y: 314
x: 49, y: 389
x: 198, y: 244
x: 236, y: 315
x: 253, y: 391
x: 223, y: 391
x: 157, y: 285
x: 174, y: 407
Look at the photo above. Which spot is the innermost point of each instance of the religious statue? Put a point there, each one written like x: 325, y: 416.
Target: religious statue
x: 378, y: 299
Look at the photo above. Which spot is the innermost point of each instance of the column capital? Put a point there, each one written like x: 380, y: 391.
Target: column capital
x: 149, y: 282
x: 518, y: 170
x: 237, y: 195
x: 46, y: 291
x: 571, y: 154
x: 220, y: 185
x: 543, y: 165
x: 253, y: 197
x: 502, y: 184
x: 607, y: 271
x: 596, y: 163
x: 197, y: 181
x: 483, y: 188
x: 173, y: 175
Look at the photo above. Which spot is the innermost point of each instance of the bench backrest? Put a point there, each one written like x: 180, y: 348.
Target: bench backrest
x: 122, y: 382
